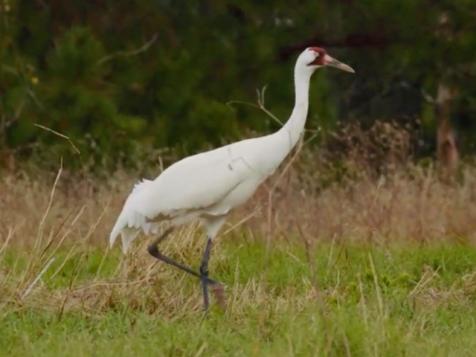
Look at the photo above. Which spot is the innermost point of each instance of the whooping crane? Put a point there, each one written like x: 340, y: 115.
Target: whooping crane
x: 207, y: 186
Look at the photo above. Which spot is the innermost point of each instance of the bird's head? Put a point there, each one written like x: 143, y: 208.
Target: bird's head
x: 315, y: 57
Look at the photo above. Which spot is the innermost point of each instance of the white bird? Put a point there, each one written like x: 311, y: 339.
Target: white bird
x: 207, y: 186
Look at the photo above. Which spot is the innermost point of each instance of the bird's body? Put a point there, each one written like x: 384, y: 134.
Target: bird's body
x: 207, y: 186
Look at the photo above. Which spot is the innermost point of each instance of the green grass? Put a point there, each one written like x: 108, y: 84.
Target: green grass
x: 332, y: 299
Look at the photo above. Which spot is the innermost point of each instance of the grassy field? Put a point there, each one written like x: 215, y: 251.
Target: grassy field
x: 380, y: 267
x: 334, y: 300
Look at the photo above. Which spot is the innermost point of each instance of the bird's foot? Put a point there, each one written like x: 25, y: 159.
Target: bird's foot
x: 219, y: 292
x: 216, y: 288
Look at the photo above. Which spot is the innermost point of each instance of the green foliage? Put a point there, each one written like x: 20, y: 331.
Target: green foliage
x: 120, y: 78
x: 76, y: 57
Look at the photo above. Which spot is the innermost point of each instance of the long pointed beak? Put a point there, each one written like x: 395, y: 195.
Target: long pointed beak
x: 329, y: 61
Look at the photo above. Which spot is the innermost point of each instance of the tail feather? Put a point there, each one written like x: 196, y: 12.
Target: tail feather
x: 128, y: 227
x: 130, y: 222
x: 116, y: 230
x: 129, y: 233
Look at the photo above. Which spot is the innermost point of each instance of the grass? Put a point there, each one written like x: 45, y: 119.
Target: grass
x: 350, y: 299
x: 337, y: 263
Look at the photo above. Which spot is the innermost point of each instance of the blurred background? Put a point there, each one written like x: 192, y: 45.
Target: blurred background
x: 123, y: 78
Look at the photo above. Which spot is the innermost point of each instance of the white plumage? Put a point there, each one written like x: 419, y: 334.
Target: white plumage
x: 208, y: 185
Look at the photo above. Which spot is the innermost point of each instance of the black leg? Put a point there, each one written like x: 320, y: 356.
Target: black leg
x: 204, y: 273
x: 153, y: 250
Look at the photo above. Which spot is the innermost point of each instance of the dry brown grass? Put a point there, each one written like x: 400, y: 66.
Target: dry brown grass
x: 363, y: 185
x: 49, y: 213
x: 410, y: 204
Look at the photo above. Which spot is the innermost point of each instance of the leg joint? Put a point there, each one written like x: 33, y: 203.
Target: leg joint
x: 204, y: 269
x: 153, y: 250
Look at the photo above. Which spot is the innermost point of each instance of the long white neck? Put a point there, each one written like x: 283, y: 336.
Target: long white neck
x: 294, y: 127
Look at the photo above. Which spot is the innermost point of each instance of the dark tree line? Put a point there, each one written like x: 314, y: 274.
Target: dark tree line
x: 122, y: 77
